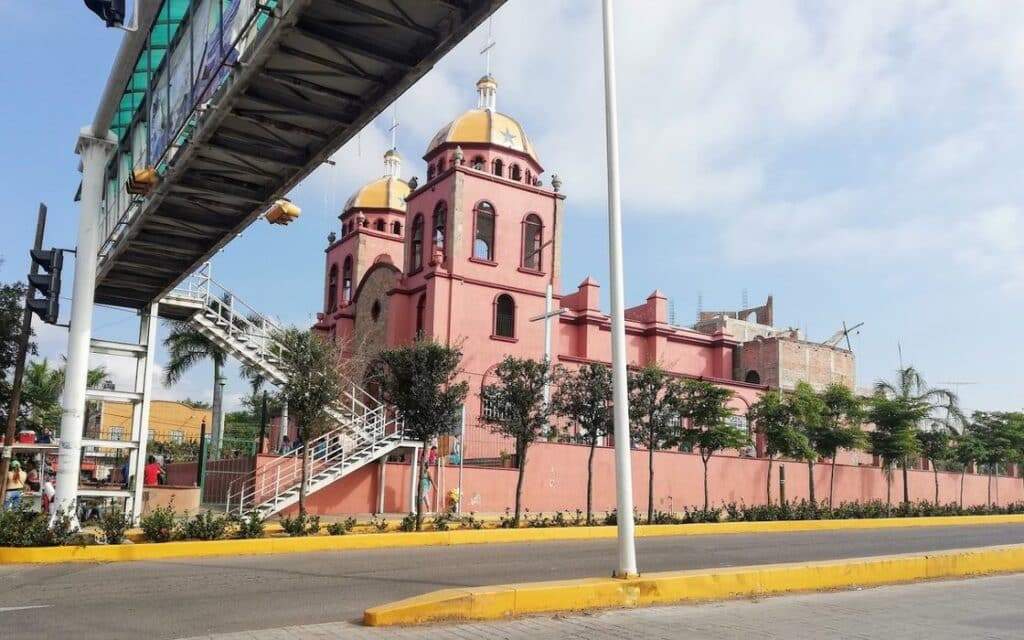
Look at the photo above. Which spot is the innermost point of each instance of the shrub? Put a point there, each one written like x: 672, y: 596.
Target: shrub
x: 204, y: 526
x: 251, y: 525
x: 664, y: 517
x: 408, y: 523
x: 341, y: 527
x: 158, y: 524
x: 471, y: 522
x: 537, y: 521
x: 301, y: 525
x: 442, y: 521
x: 611, y: 518
x: 378, y: 522
x: 114, y: 524
x: 507, y: 521
x: 20, y: 527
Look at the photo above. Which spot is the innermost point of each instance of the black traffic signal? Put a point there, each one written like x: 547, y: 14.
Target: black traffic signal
x: 111, y: 11
x: 51, y: 262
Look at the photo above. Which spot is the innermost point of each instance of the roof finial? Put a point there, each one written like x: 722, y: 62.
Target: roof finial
x: 393, y: 161
x: 486, y: 86
x: 394, y: 128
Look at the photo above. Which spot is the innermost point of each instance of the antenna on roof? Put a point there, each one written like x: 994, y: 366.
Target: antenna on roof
x: 671, y: 311
x: 700, y: 304
x: 744, y: 299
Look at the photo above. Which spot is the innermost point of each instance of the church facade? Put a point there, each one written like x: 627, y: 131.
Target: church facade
x: 467, y: 258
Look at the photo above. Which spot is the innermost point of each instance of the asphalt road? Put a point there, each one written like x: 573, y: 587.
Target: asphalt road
x: 180, y: 598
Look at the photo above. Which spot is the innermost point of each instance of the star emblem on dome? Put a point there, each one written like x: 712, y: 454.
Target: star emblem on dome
x: 509, y: 137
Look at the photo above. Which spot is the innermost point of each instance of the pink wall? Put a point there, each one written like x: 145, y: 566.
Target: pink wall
x: 556, y: 480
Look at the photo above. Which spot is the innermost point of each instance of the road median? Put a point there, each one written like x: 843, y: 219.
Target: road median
x: 511, y: 600
x: 365, y: 541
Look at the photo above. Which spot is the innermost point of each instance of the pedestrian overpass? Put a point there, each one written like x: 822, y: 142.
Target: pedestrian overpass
x: 233, y: 102
x: 213, y: 111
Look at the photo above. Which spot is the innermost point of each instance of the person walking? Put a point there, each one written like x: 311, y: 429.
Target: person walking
x: 152, y: 472
x: 15, y: 485
x: 425, y: 486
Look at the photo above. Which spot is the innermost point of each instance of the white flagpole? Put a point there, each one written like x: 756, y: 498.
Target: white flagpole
x: 623, y: 467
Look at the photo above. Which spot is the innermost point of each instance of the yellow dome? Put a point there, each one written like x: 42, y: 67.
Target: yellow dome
x: 486, y: 127
x: 383, y: 193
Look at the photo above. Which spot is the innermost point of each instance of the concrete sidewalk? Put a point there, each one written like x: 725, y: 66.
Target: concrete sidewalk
x: 980, y: 608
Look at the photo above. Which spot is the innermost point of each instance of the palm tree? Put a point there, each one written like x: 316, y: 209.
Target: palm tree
x: 911, y: 388
x: 187, y: 347
x: 42, y: 389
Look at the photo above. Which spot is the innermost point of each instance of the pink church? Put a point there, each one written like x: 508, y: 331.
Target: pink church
x: 466, y: 258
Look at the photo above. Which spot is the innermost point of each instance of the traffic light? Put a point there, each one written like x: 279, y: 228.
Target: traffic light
x: 111, y: 11
x: 51, y: 262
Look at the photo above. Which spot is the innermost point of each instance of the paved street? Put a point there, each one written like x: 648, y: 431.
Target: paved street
x: 182, y: 598
x: 956, y: 610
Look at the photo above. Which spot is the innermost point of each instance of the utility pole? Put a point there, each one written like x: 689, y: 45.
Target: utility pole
x: 620, y: 400
x: 19, y: 362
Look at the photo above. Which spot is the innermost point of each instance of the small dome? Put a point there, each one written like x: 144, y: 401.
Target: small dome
x: 487, y: 81
x: 392, y: 153
x: 388, y: 192
x: 484, y: 126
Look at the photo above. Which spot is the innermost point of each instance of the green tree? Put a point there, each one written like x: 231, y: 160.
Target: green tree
x: 519, y: 411
x: 584, y: 398
x: 918, y: 398
x: 808, y: 411
x: 840, y: 427
x: 705, y: 408
x: 419, y: 380
x: 12, y: 305
x: 1001, y: 435
x: 653, y: 416
x: 186, y: 348
x: 771, y: 417
x: 42, y: 387
x: 935, y: 447
x: 313, y: 366
x: 894, y: 439
x: 967, y: 450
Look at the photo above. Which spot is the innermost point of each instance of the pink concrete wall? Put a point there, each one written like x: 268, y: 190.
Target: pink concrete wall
x: 556, y: 479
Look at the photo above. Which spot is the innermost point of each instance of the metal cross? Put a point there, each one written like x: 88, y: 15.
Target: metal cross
x: 490, y: 45
x: 394, y: 128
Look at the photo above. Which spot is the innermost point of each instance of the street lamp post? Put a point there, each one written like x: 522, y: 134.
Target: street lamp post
x: 623, y: 467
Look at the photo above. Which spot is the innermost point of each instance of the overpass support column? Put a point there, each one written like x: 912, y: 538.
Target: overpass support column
x: 94, y: 152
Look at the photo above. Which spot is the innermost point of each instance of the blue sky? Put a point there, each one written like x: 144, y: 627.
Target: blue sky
x: 859, y: 161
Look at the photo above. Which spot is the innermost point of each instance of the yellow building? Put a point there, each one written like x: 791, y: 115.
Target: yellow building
x: 168, y: 421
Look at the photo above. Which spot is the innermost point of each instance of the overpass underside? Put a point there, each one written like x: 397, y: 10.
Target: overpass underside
x: 313, y: 74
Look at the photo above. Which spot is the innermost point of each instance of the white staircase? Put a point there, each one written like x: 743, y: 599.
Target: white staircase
x: 366, y: 428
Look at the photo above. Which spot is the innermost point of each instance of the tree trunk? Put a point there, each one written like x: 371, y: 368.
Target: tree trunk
x: 906, y: 485
x: 963, y: 473
x: 935, y: 471
x: 810, y: 480
x: 990, y: 474
x: 705, y: 461
x: 217, y: 410
x: 888, y: 485
x: 421, y: 469
x: 590, y: 482
x: 302, y: 487
x: 768, y: 484
x: 832, y: 481
x: 521, y: 454
x: 650, y: 480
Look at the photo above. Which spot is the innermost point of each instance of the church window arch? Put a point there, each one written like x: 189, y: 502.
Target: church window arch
x: 421, y: 312
x: 515, y: 173
x: 505, y: 316
x: 753, y: 377
x: 396, y: 228
x: 332, y: 288
x: 379, y: 225
x: 375, y: 310
x: 533, y: 242
x: 440, y: 225
x: 430, y: 172
x: 529, y: 178
x: 346, y: 281
x: 416, y: 262
x: 498, y: 167
x: 483, y: 231
x: 478, y: 163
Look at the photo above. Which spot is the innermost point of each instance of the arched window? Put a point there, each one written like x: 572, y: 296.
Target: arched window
x: 483, y: 236
x: 753, y: 377
x: 505, y: 316
x: 421, y: 308
x: 346, y: 281
x: 332, y: 289
x: 366, y: 223
x: 440, y: 223
x: 440, y: 165
x: 396, y: 228
x: 478, y: 163
x: 375, y: 310
x: 533, y: 242
x: 416, y: 262
x: 515, y: 173
x: 529, y: 178
x: 379, y: 225
x: 498, y: 167
x: 430, y: 172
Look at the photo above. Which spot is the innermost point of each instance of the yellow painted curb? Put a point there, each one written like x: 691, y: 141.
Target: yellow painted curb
x: 363, y: 541
x: 502, y: 601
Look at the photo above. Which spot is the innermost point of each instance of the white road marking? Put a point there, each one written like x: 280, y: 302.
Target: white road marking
x: 31, y: 606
